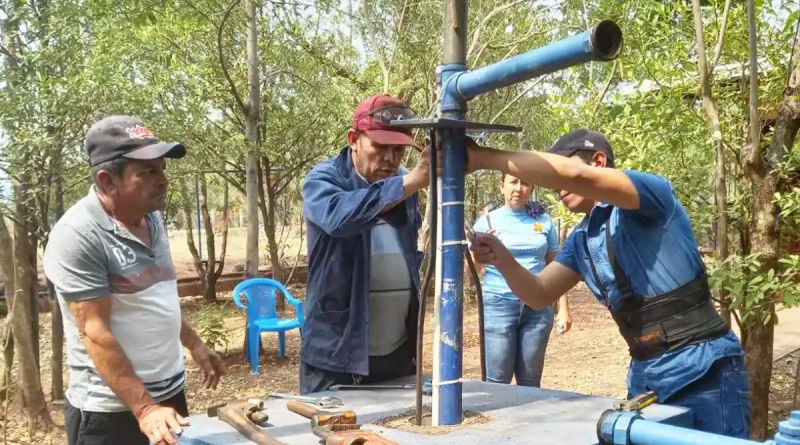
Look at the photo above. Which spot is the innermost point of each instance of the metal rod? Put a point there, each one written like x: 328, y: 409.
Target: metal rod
x: 426, y: 283
x: 455, y: 32
x: 602, y: 42
x: 476, y: 279
x: 447, y: 388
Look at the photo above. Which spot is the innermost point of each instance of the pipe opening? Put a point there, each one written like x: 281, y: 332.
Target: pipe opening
x: 606, y: 40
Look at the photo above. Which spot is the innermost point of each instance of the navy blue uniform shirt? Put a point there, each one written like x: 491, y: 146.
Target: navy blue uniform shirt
x: 340, y: 208
x: 656, y: 248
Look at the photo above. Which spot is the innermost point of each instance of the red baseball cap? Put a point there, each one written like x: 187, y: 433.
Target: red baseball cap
x: 374, y: 114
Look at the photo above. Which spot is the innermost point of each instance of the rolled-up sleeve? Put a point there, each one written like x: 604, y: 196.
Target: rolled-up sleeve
x: 568, y: 255
x: 76, y: 264
x: 339, y: 212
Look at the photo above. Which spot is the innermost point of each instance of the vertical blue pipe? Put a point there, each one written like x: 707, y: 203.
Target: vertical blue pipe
x: 452, y: 221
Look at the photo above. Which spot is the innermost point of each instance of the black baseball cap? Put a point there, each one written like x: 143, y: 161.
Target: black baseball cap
x: 583, y: 140
x: 125, y: 137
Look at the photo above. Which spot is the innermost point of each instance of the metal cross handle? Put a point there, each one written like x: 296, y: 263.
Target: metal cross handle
x: 322, y: 402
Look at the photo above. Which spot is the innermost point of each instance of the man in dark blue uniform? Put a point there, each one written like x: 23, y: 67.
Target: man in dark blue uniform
x: 636, y: 252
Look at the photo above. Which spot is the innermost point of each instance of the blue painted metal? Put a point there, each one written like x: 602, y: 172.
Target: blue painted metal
x: 457, y: 86
x: 452, y: 257
x: 451, y: 101
x: 789, y: 430
x: 629, y: 428
x: 603, y: 42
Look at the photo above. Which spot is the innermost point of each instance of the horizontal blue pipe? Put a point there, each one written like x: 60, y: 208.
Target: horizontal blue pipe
x: 556, y: 56
x: 645, y: 432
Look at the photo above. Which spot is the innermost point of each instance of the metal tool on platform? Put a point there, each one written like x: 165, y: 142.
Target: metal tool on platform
x: 246, y: 418
x: 426, y: 387
x: 349, y: 435
x: 322, y: 402
x: 637, y: 403
x: 319, y: 417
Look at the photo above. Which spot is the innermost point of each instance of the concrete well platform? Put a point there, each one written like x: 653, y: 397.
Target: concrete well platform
x: 518, y: 415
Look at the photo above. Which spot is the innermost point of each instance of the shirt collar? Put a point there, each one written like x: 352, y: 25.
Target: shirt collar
x: 98, y: 212
x: 598, y: 211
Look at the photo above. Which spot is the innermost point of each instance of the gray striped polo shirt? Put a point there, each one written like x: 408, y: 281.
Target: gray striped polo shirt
x: 90, y: 255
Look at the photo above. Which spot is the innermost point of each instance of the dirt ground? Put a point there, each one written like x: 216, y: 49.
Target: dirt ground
x: 590, y: 359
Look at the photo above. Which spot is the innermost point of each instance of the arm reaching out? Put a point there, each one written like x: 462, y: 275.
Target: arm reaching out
x: 559, y: 173
x: 536, y: 291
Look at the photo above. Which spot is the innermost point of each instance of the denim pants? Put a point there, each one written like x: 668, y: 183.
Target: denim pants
x: 516, y: 339
x: 720, y: 400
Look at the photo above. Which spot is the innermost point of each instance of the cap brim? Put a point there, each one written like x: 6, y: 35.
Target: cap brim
x: 563, y: 151
x: 387, y: 137
x: 173, y: 150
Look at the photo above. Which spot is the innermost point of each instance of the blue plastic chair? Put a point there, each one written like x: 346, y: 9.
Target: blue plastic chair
x: 261, y: 315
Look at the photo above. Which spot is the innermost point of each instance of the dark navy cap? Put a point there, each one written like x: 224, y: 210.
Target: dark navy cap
x: 125, y: 137
x: 583, y: 140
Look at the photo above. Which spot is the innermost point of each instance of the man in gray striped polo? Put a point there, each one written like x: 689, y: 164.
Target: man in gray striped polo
x: 109, y: 260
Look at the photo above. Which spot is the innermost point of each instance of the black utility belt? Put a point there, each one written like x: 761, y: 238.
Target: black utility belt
x: 682, y: 317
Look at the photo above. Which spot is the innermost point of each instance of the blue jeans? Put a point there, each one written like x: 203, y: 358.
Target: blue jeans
x: 720, y: 400
x: 516, y: 339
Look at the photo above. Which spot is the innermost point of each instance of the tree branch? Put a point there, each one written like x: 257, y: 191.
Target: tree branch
x: 516, y: 99
x: 605, y: 90
x: 721, y: 39
x: 374, y: 42
x: 396, y: 41
x: 479, y: 28
x: 222, y: 63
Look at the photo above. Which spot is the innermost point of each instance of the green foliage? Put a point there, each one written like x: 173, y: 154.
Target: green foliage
x: 209, y: 325
x: 750, y: 288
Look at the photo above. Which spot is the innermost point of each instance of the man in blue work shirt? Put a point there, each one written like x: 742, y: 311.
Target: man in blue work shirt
x: 636, y: 252
x: 361, y: 211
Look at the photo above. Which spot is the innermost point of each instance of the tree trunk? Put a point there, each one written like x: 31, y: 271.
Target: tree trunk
x: 710, y: 108
x: 22, y: 328
x: 225, y: 225
x: 251, y: 128
x: 210, y: 279
x: 765, y: 235
x: 187, y: 217
x: 267, y: 205
x: 56, y: 322
x: 7, y: 267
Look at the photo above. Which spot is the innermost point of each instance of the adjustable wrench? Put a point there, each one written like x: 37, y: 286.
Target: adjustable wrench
x: 322, y: 402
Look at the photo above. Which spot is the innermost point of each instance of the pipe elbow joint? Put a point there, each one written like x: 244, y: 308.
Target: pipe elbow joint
x: 452, y: 99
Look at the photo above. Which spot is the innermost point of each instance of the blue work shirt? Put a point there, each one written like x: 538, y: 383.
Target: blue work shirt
x: 656, y: 248
x: 528, y: 237
x: 340, y: 208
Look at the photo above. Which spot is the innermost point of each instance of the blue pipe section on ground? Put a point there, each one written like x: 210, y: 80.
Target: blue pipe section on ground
x: 629, y: 428
x: 556, y: 56
x: 452, y: 221
x: 789, y: 430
